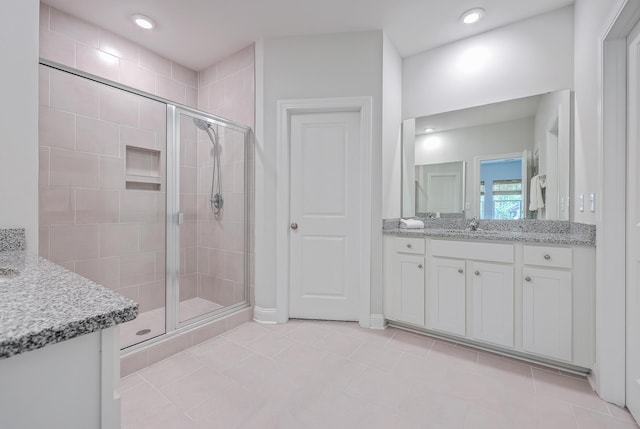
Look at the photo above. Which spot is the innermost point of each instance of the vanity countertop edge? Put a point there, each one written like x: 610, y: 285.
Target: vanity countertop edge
x: 573, y: 235
x: 45, y: 304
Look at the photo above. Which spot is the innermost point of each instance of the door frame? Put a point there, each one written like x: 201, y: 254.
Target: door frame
x: 609, y: 375
x: 286, y: 108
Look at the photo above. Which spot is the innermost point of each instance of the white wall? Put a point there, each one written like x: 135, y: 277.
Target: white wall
x: 391, y: 129
x: 334, y: 65
x: 591, y: 18
x: 19, y: 118
x: 450, y: 146
x: 526, y: 58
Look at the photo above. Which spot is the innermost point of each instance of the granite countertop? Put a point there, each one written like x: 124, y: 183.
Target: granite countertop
x: 528, y: 231
x: 44, y: 304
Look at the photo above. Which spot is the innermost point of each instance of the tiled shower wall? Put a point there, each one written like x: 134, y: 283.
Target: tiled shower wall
x: 225, y: 89
x: 70, y: 41
x: 89, y: 222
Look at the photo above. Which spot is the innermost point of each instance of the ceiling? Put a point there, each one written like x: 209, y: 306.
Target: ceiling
x: 198, y: 33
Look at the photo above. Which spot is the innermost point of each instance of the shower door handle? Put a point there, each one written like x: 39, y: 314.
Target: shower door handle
x: 180, y: 218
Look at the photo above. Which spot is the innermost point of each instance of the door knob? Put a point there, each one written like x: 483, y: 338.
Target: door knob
x: 294, y: 226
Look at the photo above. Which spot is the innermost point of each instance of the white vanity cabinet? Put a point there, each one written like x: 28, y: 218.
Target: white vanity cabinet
x: 447, y: 296
x: 492, y: 303
x: 404, y: 273
x: 557, y: 302
x: 534, y: 301
x: 470, y: 292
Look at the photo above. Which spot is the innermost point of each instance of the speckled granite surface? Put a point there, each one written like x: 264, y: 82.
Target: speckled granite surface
x: 12, y: 239
x: 525, y: 230
x: 45, y: 304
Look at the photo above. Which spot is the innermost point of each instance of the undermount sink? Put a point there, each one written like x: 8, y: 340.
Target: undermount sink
x: 7, y: 274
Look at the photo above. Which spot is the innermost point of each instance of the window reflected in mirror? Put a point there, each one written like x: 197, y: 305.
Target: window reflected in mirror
x: 501, y: 194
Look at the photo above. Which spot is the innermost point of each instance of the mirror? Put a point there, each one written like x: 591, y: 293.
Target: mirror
x: 513, y: 160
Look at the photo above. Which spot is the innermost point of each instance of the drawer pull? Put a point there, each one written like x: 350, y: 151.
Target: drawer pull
x: 420, y: 266
x: 409, y: 245
x: 460, y: 270
x: 477, y: 273
x: 547, y: 257
x: 528, y: 279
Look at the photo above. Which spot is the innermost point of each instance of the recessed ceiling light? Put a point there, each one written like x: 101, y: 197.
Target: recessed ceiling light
x: 473, y: 15
x: 429, y: 130
x: 143, y: 21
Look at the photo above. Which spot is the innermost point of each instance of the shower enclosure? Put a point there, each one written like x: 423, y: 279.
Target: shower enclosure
x: 145, y: 197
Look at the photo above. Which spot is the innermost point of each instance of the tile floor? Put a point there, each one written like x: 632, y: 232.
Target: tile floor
x: 331, y: 375
x: 154, y: 320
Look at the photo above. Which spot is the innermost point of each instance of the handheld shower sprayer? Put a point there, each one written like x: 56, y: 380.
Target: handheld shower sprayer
x: 216, y: 198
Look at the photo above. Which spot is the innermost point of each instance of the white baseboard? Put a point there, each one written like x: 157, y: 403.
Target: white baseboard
x: 377, y: 321
x: 265, y: 315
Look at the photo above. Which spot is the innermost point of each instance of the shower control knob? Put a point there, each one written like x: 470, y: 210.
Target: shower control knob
x: 294, y: 226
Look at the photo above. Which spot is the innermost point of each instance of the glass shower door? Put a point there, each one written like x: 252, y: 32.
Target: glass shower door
x: 102, y: 196
x: 211, y: 217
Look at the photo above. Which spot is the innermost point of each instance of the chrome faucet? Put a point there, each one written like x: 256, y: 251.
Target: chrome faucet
x: 473, y: 225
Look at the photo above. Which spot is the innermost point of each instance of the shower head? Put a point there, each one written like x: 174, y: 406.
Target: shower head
x: 202, y: 124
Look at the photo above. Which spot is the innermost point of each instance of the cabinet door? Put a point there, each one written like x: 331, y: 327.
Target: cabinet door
x: 447, y: 296
x: 492, y: 303
x: 546, y: 312
x: 408, y: 293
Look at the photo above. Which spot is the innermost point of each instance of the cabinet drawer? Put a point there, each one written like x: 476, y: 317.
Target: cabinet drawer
x: 559, y: 257
x: 410, y: 245
x: 492, y: 252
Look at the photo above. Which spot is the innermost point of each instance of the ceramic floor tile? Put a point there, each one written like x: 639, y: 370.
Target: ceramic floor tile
x: 317, y: 375
x: 570, y: 389
x: 588, y: 419
x: 170, y: 369
x: 195, y: 388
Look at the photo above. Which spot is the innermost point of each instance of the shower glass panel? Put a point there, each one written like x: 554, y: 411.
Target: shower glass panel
x: 144, y: 197
x: 102, y: 196
x: 211, y: 216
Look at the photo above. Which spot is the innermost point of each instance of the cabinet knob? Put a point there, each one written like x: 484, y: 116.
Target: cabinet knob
x: 409, y: 245
x: 420, y: 266
x: 460, y: 270
x: 547, y: 257
x: 294, y: 226
x: 477, y: 273
x: 528, y: 279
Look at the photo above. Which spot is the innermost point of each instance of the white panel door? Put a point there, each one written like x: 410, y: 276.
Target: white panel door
x: 444, y: 191
x: 547, y: 312
x: 633, y: 228
x: 324, y: 216
x: 493, y: 303
x: 447, y: 296
x: 408, y: 292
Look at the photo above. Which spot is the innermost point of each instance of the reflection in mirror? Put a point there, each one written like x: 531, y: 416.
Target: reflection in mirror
x: 501, y: 190
x: 439, y: 188
x: 535, y: 129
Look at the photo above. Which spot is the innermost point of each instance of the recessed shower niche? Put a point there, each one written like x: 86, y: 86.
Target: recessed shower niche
x: 143, y: 168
